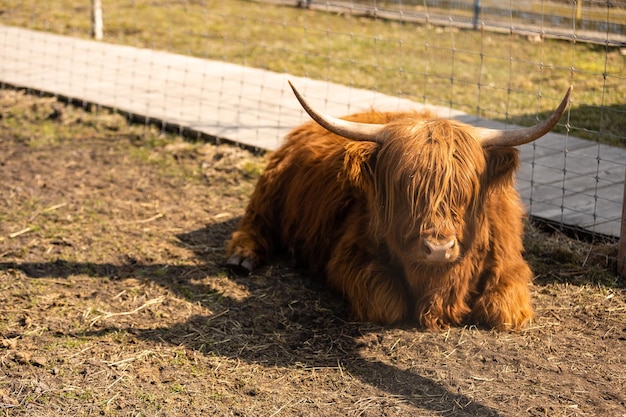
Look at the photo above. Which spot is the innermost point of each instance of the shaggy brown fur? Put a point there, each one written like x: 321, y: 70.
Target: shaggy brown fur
x: 360, y: 214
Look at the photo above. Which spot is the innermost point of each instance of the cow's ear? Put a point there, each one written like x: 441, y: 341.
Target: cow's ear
x: 358, y: 163
x: 502, y: 163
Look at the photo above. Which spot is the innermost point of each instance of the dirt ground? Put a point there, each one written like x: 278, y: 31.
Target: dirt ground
x: 114, y: 299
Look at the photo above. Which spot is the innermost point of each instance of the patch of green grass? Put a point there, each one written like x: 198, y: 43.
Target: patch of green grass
x: 77, y: 395
x: 253, y: 169
x: 148, y: 398
x: 177, y: 388
x: 74, y: 343
x: 180, y: 358
x: 151, y: 150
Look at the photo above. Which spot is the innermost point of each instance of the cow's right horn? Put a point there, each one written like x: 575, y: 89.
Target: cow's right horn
x: 350, y: 130
x: 516, y: 137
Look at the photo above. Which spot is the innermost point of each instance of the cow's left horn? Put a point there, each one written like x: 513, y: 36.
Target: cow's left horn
x: 350, y: 130
x: 516, y: 137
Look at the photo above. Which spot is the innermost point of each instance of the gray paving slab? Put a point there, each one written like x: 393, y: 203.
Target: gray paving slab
x: 562, y: 178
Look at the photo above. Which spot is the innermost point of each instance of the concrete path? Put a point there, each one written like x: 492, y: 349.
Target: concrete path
x: 564, y: 179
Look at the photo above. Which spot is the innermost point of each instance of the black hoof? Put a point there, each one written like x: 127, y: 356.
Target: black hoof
x: 240, y: 265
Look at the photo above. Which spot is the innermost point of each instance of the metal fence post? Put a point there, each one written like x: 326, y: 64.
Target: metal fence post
x: 621, y: 253
x: 476, y: 13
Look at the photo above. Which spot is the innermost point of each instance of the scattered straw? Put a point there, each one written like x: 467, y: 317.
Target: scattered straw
x: 19, y: 233
x: 124, y: 362
x: 81, y: 351
x: 55, y: 207
x: 287, y: 404
x: 143, y: 221
x: 107, y: 315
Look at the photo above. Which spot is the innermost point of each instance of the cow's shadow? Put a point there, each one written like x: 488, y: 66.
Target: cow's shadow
x: 285, y: 320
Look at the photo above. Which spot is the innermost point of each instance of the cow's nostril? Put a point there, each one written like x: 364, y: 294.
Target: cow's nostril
x: 437, y: 251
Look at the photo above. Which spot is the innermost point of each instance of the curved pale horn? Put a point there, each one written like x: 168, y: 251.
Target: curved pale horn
x: 516, y: 137
x: 350, y: 130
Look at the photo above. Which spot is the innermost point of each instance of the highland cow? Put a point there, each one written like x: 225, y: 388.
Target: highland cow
x: 409, y: 216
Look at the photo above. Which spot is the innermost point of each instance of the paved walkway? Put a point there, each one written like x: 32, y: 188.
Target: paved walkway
x: 564, y: 179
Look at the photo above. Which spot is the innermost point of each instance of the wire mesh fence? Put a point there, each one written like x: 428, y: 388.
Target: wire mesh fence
x: 222, y: 67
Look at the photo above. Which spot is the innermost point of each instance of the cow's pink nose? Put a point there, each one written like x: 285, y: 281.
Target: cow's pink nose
x: 440, y: 251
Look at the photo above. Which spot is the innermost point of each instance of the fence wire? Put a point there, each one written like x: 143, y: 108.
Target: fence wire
x: 483, y: 61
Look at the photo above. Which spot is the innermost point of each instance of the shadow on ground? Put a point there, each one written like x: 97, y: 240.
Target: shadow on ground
x: 285, y: 320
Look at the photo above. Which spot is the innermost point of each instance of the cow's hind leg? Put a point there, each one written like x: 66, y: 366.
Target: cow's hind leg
x: 242, y: 258
x: 251, y: 244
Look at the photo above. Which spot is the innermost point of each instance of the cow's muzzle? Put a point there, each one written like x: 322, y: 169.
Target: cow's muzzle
x: 440, y: 250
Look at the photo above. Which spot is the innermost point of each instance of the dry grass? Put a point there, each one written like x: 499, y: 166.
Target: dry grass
x: 114, y: 300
